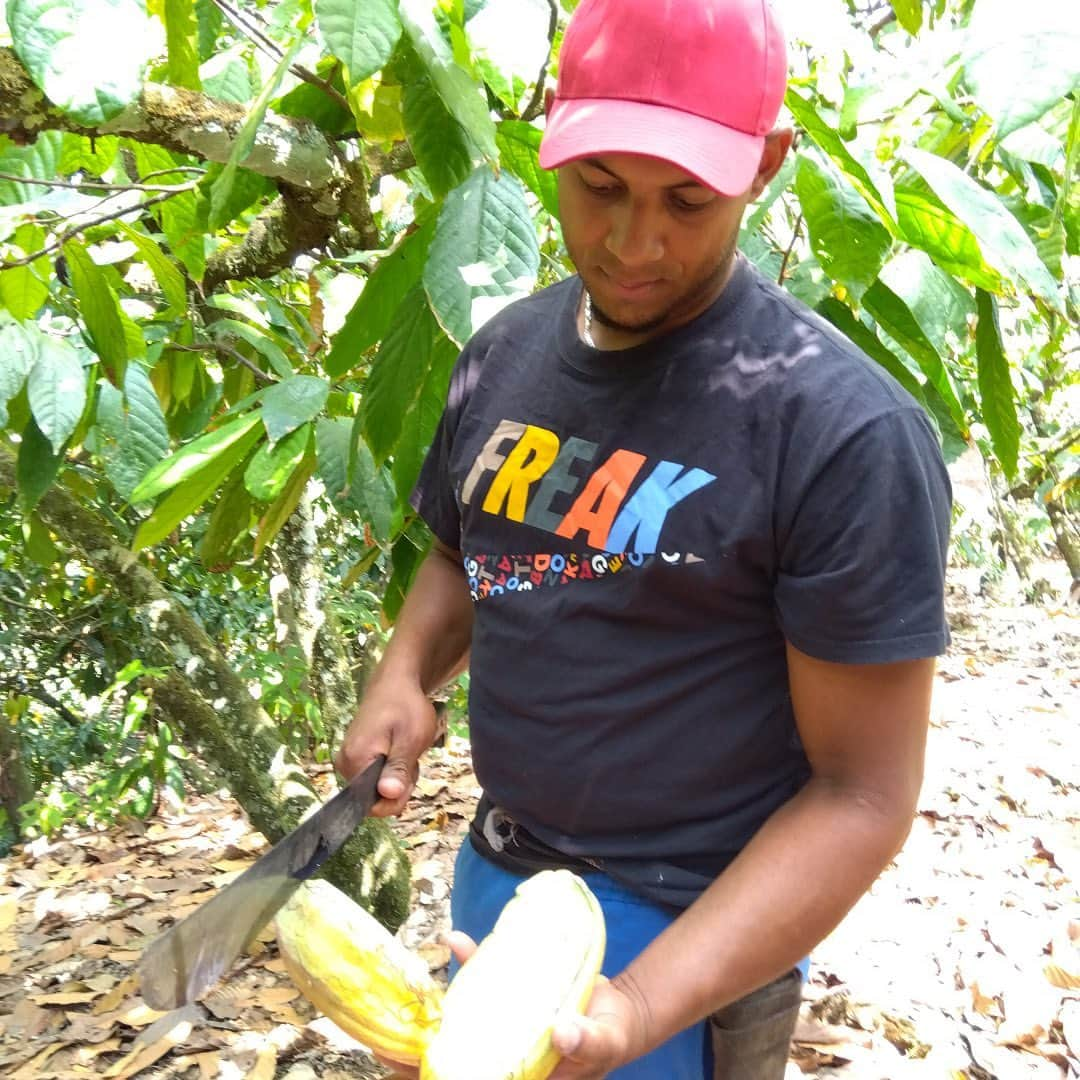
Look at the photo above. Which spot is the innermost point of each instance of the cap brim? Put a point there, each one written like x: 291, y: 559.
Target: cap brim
x: 722, y: 158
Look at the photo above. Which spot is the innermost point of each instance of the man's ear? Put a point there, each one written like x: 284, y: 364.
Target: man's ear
x: 777, y: 145
x: 549, y: 100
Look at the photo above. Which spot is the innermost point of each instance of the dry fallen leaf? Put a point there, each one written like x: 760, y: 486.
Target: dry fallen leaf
x: 1061, y: 978
x: 144, y: 1057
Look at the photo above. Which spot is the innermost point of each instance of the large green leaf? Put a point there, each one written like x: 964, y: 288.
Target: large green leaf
x: 273, y: 463
x: 192, y: 458
x: 1001, y: 237
x: 56, y: 389
x: 413, y: 363
x: 1017, y: 68
x: 925, y: 224
x: 36, y: 161
x: 996, y: 394
x: 37, y: 465
x: 280, y: 510
x: 292, y: 402
x: 896, y: 319
x: 100, y: 310
x: 182, y: 218
x: 828, y: 140
x: 462, y: 96
x: 182, y: 36
x: 849, y: 241
x: 169, y: 277
x: 18, y: 354
x: 132, y: 436
x: 371, y: 315
x: 230, y: 518
x: 226, y: 76
x: 441, y: 146
x: 909, y: 14
x: 484, y: 254
x: 245, y: 140
x: 23, y: 289
x: 258, y: 339
x: 361, y: 35
x: 87, y: 56
x: 187, y: 497
x: 93, y: 156
x: 938, y: 302
x: 352, y: 480
x: 519, y: 147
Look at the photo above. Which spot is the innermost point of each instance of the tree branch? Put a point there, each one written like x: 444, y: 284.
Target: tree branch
x: 58, y: 242
x: 536, y: 102
x: 260, y: 375
x: 790, y: 249
x: 96, y: 185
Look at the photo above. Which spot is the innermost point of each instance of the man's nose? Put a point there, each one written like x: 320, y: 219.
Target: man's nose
x: 635, y: 238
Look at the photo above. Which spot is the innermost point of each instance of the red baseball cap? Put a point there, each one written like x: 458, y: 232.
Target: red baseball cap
x: 698, y: 83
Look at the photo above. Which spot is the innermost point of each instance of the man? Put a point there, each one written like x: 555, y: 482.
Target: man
x: 692, y: 544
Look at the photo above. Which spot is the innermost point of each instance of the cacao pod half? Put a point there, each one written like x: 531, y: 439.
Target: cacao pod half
x: 350, y: 967
x: 542, y: 957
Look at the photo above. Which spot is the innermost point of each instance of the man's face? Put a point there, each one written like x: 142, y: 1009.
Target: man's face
x: 651, y: 243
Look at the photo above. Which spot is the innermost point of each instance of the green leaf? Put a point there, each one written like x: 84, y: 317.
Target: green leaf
x: 36, y: 161
x: 846, y: 236
x: 100, y: 311
x: 227, y: 77
x: 194, y: 457
x: 361, y: 35
x: 413, y: 364
x: 188, y: 496
x: 313, y: 103
x: 896, y: 319
x: 373, y: 313
x: 247, y: 188
x: 86, y: 56
x: 181, y: 217
x: 484, y: 254
x: 182, y: 37
x: 353, y: 481
x: 39, y: 544
x: 37, y: 465
x: 93, y: 156
x: 56, y: 388
x: 462, y: 96
x: 281, y: 509
x: 271, y: 465
x: 996, y: 394
x: 18, y: 355
x: 1017, y: 72
x: 169, y: 278
x: 131, y: 430
x: 909, y: 14
x: 828, y: 140
x: 519, y: 149
x: 926, y: 224
x: 245, y: 140
x: 258, y: 339
x: 231, y: 518
x: 1001, y: 237
x: 938, y: 302
x: 441, y: 146
x: 23, y: 289
x: 292, y: 402
x: 406, y: 556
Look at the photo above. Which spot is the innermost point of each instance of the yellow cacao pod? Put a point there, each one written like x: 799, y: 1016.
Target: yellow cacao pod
x: 350, y: 967
x: 542, y: 957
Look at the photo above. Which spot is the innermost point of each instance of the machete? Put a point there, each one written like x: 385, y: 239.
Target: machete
x: 192, y: 955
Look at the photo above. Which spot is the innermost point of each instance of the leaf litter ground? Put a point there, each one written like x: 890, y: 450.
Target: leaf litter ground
x: 963, y: 961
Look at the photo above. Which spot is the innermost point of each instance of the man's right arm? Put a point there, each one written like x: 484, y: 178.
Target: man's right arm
x: 429, y: 646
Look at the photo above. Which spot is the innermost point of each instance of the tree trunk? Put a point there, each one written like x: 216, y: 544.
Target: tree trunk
x: 1066, y: 534
x: 15, y: 787
x: 207, y: 700
x: 316, y: 629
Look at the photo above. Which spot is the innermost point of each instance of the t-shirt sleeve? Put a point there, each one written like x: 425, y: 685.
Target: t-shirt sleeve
x: 863, y: 549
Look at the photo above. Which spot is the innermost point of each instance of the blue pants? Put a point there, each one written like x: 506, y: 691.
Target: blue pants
x: 480, y: 891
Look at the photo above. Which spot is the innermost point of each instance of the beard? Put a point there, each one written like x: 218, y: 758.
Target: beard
x: 690, y: 301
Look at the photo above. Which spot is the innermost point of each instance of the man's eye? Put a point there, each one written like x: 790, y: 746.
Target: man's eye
x: 689, y: 207
x: 599, y: 189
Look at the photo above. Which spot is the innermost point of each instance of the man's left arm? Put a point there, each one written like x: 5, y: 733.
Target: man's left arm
x: 863, y: 728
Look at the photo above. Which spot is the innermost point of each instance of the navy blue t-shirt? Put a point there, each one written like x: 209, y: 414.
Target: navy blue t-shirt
x: 641, y: 531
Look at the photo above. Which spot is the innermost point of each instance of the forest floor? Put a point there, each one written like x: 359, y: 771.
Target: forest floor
x: 963, y: 961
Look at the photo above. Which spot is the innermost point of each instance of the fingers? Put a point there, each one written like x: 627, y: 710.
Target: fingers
x: 461, y: 945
